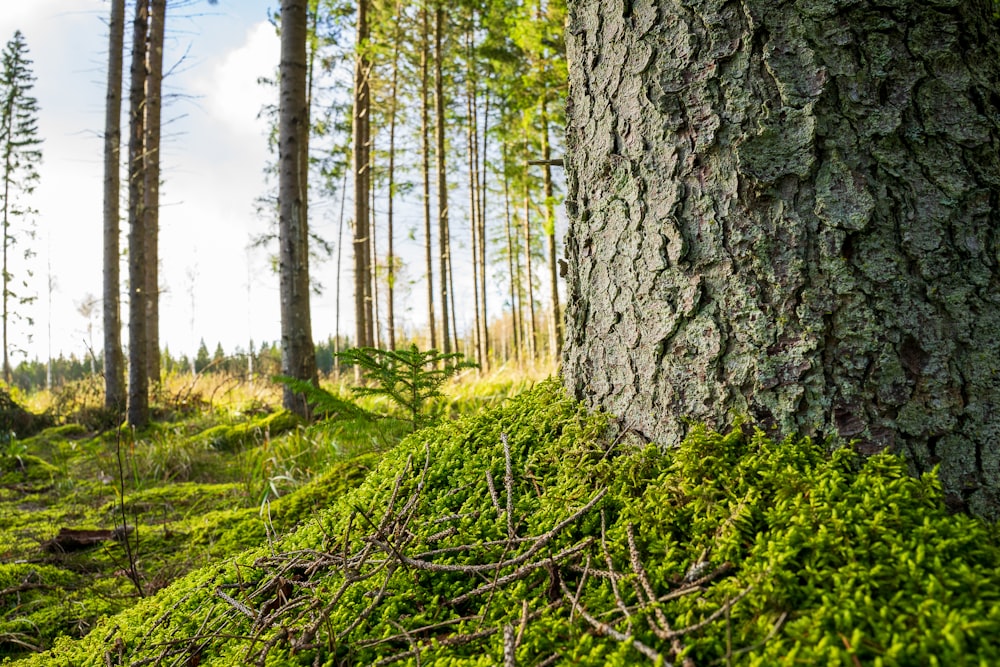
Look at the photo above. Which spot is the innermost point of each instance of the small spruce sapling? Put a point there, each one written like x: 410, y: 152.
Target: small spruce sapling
x: 409, y: 377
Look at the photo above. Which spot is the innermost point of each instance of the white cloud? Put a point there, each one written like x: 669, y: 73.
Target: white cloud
x: 232, y: 93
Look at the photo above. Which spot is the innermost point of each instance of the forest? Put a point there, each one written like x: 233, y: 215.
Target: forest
x: 737, y: 405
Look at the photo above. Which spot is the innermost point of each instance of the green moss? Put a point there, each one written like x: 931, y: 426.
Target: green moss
x: 25, y: 472
x: 818, y: 557
x: 232, y: 437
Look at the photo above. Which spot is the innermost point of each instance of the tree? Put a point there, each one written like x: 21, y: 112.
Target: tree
x: 21, y: 154
x: 201, y: 358
x: 444, y: 242
x: 788, y: 211
x: 114, y: 362
x: 138, y: 376
x: 151, y: 181
x: 298, y: 357
x: 364, y: 324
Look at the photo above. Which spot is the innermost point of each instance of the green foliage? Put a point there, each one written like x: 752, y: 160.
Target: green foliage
x: 732, y: 549
x: 409, y: 377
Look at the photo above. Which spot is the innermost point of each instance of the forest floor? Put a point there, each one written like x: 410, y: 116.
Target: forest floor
x: 521, y: 530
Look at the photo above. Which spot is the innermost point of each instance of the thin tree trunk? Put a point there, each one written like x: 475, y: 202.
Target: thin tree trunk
x: 390, y: 256
x: 362, y: 186
x: 471, y: 142
x: 555, y: 322
x: 8, y: 174
x: 340, y: 252
x: 373, y: 242
x: 7, y: 239
x: 114, y: 361
x: 481, y: 191
x: 513, y: 263
x: 298, y: 355
x: 442, y: 182
x: 151, y: 183
x: 138, y: 386
x: 425, y: 47
x: 532, y: 334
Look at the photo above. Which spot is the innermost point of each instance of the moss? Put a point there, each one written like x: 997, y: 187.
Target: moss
x: 25, y: 472
x: 232, y: 437
x: 814, y: 556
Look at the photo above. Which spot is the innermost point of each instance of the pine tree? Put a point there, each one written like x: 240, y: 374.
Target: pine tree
x: 19, y: 144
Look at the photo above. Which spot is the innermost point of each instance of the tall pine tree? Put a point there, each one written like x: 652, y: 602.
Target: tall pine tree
x: 21, y: 154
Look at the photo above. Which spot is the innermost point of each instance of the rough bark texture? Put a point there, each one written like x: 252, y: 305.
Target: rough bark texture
x: 298, y: 356
x: 138, y: 380
x: 788, y: 210
x: 114, y: 362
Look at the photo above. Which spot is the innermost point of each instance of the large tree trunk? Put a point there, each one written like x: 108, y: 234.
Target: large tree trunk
x: 789, y: 211
x: 151, y: 187
x: 298, y: 356
x: 138, y: 379
x: 114, y: 362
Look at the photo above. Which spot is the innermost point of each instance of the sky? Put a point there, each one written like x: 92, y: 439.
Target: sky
x: 214, y: 156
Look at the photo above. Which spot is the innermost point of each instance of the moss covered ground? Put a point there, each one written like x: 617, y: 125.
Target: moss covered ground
x: 526, y: 534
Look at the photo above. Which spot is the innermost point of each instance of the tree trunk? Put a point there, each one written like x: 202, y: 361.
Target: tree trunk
x: 363, y: 336
x: 298, y: 356
x: 390, y: 256
x: 471, y: 141
x: 789, y: 211
x: 114, y: 362
x: 138, y: 378
x: 532, y: 332
x: 555, y: 323
x: 481, y: 199
x: 425, y: 105
x: 513, y: 261
x: 151, y: 183
x: 442, y: 182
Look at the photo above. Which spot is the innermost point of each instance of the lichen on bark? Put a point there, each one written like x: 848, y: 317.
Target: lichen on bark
x: 789, y: 210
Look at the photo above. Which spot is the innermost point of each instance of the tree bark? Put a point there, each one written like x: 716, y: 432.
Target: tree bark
x: 789, y: 211
x: 151, y: 185
x: 114, y: 361
x: 298, y: 355
x: 425, y: 105
x: 555, y: 323
x: 442, y: 183
x: 390, y: 268
x: 138, y: 378
x: 364, y: 334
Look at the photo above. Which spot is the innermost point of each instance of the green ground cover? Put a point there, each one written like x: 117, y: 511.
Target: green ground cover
x: 528, y: 533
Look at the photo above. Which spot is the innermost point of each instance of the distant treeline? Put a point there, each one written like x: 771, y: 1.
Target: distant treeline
x: 265, y: 360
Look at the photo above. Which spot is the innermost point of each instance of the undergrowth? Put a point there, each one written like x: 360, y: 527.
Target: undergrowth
x: 522, y: 535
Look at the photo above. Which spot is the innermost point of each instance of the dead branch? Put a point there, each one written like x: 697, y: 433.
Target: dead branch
x: 604, y: 629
